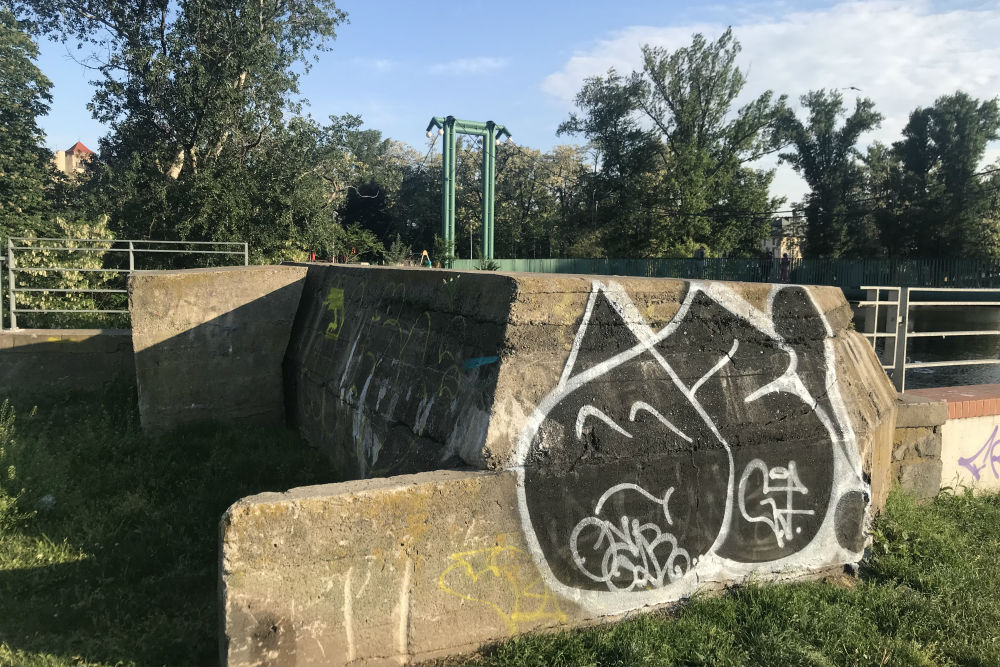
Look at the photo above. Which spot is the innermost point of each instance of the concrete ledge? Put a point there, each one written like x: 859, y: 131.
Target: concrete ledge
x: 414, y: 567
x: 915, y: 408
x: 36, y: 360
x: 981, y: 400
x: 209, y: 343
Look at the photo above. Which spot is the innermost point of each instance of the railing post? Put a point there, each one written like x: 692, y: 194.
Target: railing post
x: 131, y: 257
x: 902, y: 323
x: 10, y: 284
x: 246, y: 254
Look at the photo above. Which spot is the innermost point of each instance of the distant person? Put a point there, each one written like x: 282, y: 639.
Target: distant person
x: 784, y: 267
x: 425, y: 259
x: 699, y: 255
x: 764, y: 264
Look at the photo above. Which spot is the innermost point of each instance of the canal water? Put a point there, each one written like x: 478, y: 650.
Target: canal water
x: 951, y: 318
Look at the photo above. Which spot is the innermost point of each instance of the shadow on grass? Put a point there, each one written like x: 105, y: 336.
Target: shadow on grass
x: 116, y: 562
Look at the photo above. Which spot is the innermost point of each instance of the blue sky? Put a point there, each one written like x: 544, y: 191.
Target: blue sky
x: 519, y: 63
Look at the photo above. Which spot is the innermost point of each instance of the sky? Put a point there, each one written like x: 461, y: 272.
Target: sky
x: 520, y: 63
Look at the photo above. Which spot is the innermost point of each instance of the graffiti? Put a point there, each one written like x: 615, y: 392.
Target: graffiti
x: 334, y: 303
x: 688, y: 414
x: 505, y: 579
x: 988, y: 454
x: 630, y: 560
x: 780, y: 520
x: 399, y: 387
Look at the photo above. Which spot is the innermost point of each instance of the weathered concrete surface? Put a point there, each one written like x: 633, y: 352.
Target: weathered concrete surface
x: 46, y: 360
x: 968, y: 455
x: 391, y: 571
x: 659, y: 436
x: 209, y: 343
x: 406, y: 370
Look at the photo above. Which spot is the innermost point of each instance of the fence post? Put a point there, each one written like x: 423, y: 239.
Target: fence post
x: 246, y: 254
x: 10, y: 284
x: 902, y: 322
x: 131, y: 258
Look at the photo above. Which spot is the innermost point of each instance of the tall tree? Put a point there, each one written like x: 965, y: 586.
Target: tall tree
x: 674, y: 154
x: 24, y: 160
x: 943, y: 207
x: 826, y: 156
x: 193, y: 92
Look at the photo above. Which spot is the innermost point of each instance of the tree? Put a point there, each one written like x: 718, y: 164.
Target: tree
x: 24, y: 161
x: 196, y: 94
x: 942, y: 206
x: 673, y: 153
x: 826, y: 156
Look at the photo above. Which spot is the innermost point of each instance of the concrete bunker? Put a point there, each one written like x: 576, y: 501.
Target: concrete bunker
x: 614, y: 444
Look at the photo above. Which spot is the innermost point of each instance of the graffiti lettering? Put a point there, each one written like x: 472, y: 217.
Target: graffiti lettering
x: 989, y: 453
x: 685, y: 414
x: 334, y: 303
x: 504, y: 578
x: 630, y: 560
x: 781, y: 519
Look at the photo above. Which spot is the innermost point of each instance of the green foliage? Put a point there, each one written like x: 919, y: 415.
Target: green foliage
x: 25, y: 173
x: 487, y: 264
x: 826, y: 156
x: 941, y: 207
x: 196, y: 96
x: 398, y: 252
x: 672, y: 152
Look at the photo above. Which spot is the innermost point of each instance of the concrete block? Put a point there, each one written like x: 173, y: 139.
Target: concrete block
x: 209, y: 343
x: 914, y: 410
x: 922, y: 479
x: 917, y: 442
x: 410, y: 568
x: 46, y: 360
x: 730, y: 429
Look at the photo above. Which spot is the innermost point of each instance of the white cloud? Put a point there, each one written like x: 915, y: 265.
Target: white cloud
x: 902, y: 55
x: 469, y: 66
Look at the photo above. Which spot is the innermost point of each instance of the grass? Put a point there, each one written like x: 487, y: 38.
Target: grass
x: 108, y: 556
x: 109, y: 539
x: 929, y: 594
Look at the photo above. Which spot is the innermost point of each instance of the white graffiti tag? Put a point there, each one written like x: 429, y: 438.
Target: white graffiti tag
x: 630, y: 560
x: 781, y: 519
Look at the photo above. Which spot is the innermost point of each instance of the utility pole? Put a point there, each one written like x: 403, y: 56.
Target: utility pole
x: 491, y: 133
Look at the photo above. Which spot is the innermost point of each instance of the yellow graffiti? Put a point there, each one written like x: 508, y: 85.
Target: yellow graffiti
x: 334, y: 302
x: 504, y: 578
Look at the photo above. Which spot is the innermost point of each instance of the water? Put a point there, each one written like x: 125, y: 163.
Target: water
x: 957, y: 318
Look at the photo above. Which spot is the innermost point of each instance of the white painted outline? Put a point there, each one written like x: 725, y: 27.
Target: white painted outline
x: 591, y: 411
x: 823, y: 550
x: 646, y: 407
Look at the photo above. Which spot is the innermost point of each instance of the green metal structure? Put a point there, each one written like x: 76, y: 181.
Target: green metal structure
x: 491, y: 133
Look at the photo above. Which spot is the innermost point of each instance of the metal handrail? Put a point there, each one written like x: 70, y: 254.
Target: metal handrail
x: 16, y: 244
x: 898, y: 336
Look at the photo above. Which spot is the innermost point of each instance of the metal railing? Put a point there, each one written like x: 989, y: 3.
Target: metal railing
x: 897, y: 335
x: 39, y: 268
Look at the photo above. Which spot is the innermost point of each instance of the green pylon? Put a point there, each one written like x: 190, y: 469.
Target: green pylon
x: 491, y: 133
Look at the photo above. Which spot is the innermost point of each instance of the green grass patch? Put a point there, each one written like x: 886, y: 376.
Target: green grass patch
x: 109, y: 538
x: 928, y: 594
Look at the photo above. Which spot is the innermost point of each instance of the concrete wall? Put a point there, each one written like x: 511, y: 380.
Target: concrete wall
x: 970, y: 446
x: 916, y: 446
x: 47, y: 360
x: 651, y: 437
x: 209, y: 343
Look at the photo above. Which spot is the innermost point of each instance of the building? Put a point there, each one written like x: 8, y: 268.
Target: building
x: 73, y: 160
x: 788, y: 235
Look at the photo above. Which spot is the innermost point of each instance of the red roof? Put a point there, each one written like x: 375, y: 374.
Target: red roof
x: 78, y: 147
